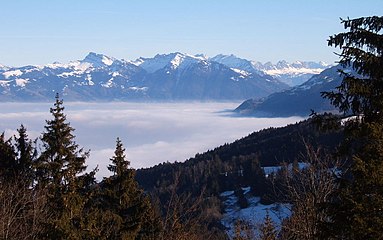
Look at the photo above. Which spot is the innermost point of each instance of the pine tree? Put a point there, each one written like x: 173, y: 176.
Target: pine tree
x: 126, y: 204
x: 356, y: 210
x: 60, y: 169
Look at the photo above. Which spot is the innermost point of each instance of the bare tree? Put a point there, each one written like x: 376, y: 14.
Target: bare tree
x: 22, y: 211
x: 184, y: 218
x: 307, y: 188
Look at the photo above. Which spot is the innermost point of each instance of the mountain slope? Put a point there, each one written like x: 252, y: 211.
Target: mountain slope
x: 98, y: 77
x: 298, y: 100
x: 187, y: 77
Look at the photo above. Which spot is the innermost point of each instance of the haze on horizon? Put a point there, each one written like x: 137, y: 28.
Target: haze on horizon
x: 42, y: 32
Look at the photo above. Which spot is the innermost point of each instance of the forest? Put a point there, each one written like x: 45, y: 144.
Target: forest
x: 47, y: 192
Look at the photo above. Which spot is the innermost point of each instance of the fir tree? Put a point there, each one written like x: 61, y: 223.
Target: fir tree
x: 60, y: 169
x: 26, y: 155
x: 8, y: 162
x: 127, y: 206
x: 356, y: 211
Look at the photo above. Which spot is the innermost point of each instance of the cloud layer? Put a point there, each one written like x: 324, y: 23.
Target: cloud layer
x: 151, y: 132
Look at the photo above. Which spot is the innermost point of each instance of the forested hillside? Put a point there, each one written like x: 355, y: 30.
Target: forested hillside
x: 268, y: 147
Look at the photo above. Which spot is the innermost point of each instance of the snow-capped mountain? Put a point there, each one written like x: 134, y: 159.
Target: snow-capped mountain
x: 298, y: 100
x: 292, y: 74
x: 98, y: 60
x: 173, y: 60
x: 173, y: 76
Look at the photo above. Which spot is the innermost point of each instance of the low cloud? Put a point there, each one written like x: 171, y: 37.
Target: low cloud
x: 151, y: 132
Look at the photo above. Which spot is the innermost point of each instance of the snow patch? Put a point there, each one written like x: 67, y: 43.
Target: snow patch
x: 15, y: 73
x: 78, y: 69
x: 89, y: 79
x: 21, y: 82
x: 242, y: 72
x: 253, y: 215
x: 4, y: 83
x: 108, y: 84
x: 115, y: 74
x: 138, y: 89
x: 107, y: 61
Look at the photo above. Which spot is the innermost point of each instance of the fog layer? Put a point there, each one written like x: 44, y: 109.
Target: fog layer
x: 151, y: 132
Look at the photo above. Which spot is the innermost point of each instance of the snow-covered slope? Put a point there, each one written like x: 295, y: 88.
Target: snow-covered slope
x: 253, y: 215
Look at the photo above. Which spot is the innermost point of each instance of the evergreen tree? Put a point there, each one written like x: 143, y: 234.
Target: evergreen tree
x: 126, y: 204
x: 356, y: 211
x: 26, y: 155
x: 60, y: 169
x: 8, y: 162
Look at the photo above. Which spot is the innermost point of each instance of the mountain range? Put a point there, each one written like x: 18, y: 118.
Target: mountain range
x: 164, y: 77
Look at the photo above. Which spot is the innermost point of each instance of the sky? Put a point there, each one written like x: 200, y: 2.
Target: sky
x: 152, y: 133
x: 44, y: 31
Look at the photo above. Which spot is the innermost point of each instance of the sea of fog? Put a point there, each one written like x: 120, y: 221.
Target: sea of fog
x: 151, y: 132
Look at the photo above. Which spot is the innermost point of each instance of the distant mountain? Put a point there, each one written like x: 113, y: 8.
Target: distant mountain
x: 292, y: 74
x: 298, y: 100
x: 97, y: 77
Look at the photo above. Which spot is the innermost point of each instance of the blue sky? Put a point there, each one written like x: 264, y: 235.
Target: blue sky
x: 44, y: 31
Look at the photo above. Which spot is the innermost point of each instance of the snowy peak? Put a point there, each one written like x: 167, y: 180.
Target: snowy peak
x: 235, y: 62
x: 98, y: 60
x: 172, y: 60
